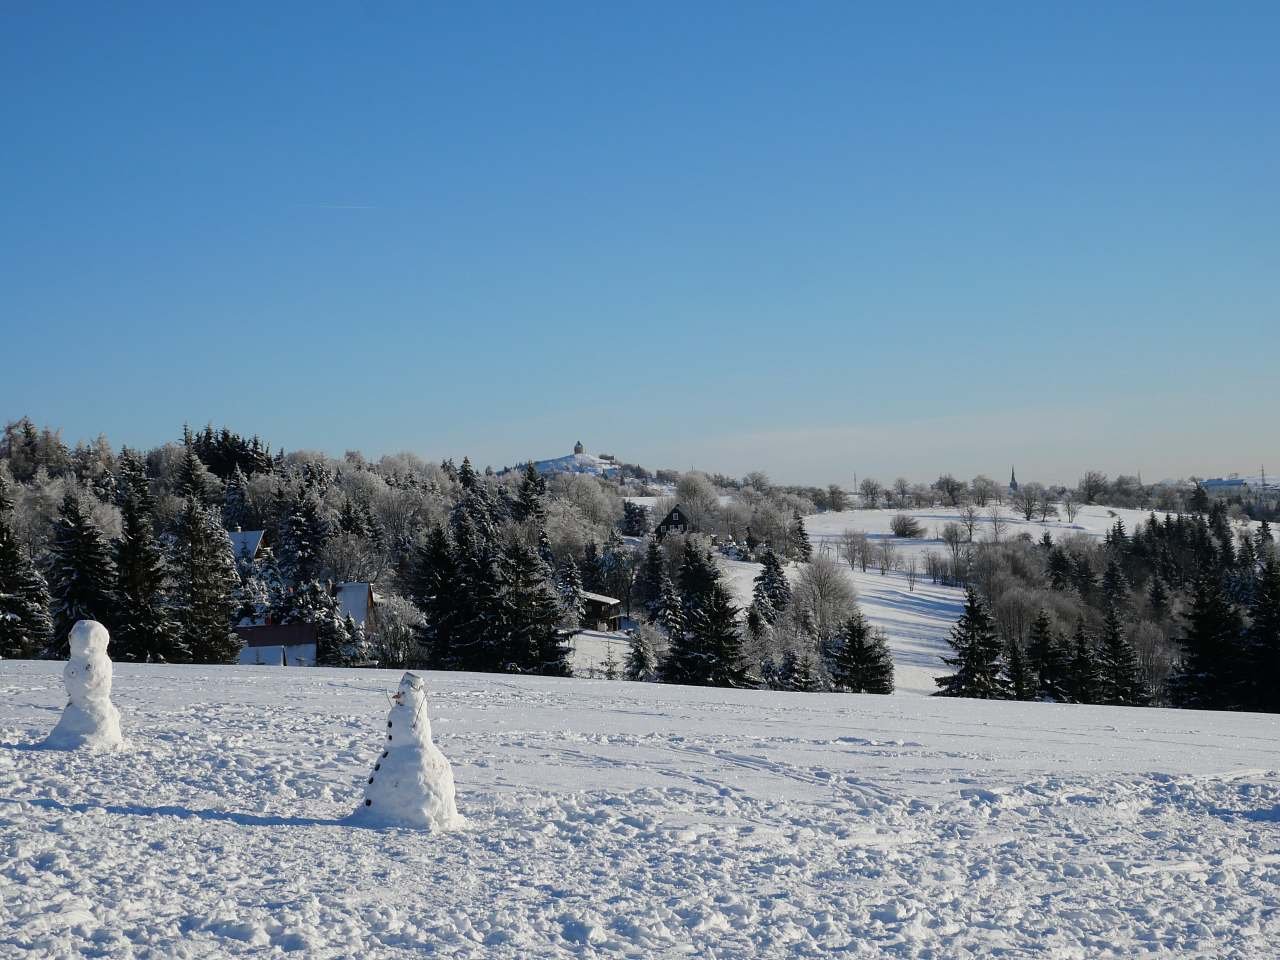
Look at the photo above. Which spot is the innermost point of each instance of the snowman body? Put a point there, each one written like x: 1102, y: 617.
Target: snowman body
x: 90, y: 720
x: 411, y: 784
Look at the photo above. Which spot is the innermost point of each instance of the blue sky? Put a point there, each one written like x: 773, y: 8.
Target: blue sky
x: 814, y: 238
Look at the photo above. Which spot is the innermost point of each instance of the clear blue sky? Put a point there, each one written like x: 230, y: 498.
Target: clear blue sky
x: 814, y: 238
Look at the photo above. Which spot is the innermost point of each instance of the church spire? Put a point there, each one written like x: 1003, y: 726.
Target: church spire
x: 1013, y: 480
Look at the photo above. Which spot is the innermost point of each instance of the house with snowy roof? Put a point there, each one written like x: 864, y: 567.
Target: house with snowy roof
x: 294, y: 644
x: 245, y: 544
x: 676, y: 521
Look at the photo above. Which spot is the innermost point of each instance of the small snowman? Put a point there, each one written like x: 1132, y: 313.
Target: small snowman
x: 412, y: 782
x: 90, y: 720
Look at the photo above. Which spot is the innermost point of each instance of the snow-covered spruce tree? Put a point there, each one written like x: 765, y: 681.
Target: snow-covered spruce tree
x: 1120, y: 679
x: 144, y: 628
x: 977, y: 658
x: 192, y: 480
x: 357, y: 650
x: 432, y: 585
x: 862, y: 662
x: 1158, y: 599
x: 1115, y: 585
x: 708, y: 651
x: 25, y: 625
x: 669, y: 612
x: 530, y: 501
x: 314, y: 603
x: 304, y: 531
x: 798, y: 539
x: 236, y: 511
x: 804, y: 676
x: 635, y: 519
x: 205, y: 589
x: 1083, y: 676
x: 652, y: 569
x: 82, y: 575
x: 772, y: 590
x: 530, y: 621
x: 592, y: 568
x: 571, y: 599
x: 698, y: 578
x: 1209, y: 678
x: 642, y: 660
x: 1046, y: 659
x: 1018, y: 678
x: 1262, y: 641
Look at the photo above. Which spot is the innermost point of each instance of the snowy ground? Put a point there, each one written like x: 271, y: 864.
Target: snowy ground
x: 634, y: 820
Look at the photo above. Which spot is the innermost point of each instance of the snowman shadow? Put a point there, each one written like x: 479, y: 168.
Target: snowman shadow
x: 186, y: 813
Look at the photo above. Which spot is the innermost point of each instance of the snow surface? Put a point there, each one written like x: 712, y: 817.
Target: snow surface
x: 634, y: 820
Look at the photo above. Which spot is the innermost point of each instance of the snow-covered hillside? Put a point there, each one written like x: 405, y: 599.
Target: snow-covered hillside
x: 578, y: 463
x: 633, y: 820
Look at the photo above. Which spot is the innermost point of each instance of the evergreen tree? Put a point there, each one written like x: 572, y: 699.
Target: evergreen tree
x: 304, y: 534
x: 1262, y: 642
x: 592, y: 568
x: 977, y: 657
x: 804, y: 675
x: 698, y: 579
x: 862, y: 662
x: 1207, y: 678
x: 635, y: 519
x: 772, y: 590
x: 652, y: 569
x: 1083, y: 681
x: 669, y: 612
x: 432, y: 585
x: 570, y: 584
x: 26, y: 628
x: 1115, y: 585
x: 190, y: 480
x: 1046, y: 659
x: 206, y: 584
x: 1120, y: 680
x: 798, y: 539
x: 1019, y: 680
x: 81, y: 573
x: 144, y: 630
x: 236, y: 512
x: 1158, y: 599
x: 708, y: 652
x: 642, y: 662
x: 1060, y: 569
x: 530, y: 500
x: 530, y: 617
x: 1199, y: 502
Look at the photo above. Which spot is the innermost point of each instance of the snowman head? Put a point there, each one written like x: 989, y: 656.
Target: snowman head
x: 88, y: 638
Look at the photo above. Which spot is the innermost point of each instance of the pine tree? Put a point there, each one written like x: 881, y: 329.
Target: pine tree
x: 652, y: 569
x: 81, y: 573
x: 642, y: 662
x: 798, y: 539
x: 530, y: 617
x: 709, y: 651
x: 1158, y: 599
x: 236, y: 512
x: 571, y: 598
x: 1120, y: 680
x: 1060, y: 569
x: 1262, y: 642
x: 26, y: 628
x: 1046, y: 659
x: 529, y: 501
x: 977, y: 659
x: 205, y: 593
x: 804, y: 676
x: 772, y: 590
x: 669, y: 612
x: 432, y: 586
x: 1083, y: 679
x: 698, y: 579
x: 1115, y: 585
x: 635, y: 519
x: 1018, y: 678
x: 303, y: 536
x: 862, y: 662
x: 144, y: 630
x: 1212, y: 642
x: 190, y: 480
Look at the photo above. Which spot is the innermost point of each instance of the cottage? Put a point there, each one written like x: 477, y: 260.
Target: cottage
x: 245, y: 544
x: 676, y: 521
x: 294, y: 644
x: 601, y: 612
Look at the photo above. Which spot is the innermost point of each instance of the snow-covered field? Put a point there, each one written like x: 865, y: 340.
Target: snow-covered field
x: 633, y: 820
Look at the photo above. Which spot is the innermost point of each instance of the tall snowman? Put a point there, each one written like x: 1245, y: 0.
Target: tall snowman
x: 90, y: 720
x: 412, y: 782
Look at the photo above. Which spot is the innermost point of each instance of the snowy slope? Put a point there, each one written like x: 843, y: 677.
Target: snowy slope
x: 578, y: 463
x: 634, y: 820
x: 916, y: 622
